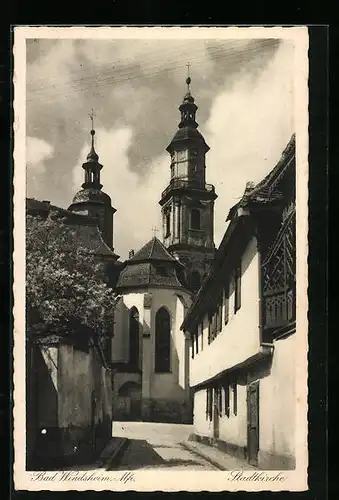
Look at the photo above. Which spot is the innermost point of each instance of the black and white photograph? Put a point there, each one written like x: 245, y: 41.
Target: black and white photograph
x: 160, y: 258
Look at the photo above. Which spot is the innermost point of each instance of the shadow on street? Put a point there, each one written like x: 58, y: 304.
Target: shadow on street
x: 139, y: 454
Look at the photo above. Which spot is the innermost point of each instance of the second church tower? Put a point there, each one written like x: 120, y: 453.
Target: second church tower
x: 188, y: 201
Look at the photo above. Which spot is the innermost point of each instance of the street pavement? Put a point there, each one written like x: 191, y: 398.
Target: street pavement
x: 157, y: 446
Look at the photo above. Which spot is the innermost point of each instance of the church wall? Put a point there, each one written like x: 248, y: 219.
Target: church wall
x: 167, y: 390
x: 120, y: 341
x: 163, y: 394
x: 239, y: 339
x: 168, y: 383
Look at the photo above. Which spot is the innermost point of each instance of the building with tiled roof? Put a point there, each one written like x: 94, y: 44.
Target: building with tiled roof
x: 148, y: 347
x: 242, y: 326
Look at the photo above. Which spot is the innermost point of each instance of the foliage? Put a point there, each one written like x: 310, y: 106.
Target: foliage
x: 66, y: 290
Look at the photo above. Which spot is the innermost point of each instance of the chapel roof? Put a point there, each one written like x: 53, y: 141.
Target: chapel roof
x: 153, y: 250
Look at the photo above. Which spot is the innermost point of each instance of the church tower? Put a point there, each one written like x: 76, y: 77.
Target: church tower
x: 90, y: 200
x: 188, y: 202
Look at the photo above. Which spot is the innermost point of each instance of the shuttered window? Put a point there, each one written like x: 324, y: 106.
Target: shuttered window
x: 209, y: 403
x: 235, y: 398
x: 227, y: 399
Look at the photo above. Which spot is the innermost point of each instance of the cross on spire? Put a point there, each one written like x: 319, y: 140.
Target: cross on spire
x: 154, y: 230
x: 91, y: 116
x: 188, y: 79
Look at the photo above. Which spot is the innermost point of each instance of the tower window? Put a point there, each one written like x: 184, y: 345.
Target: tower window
x: 134, y: 333
x: 167, y: 224
x: 162, y: 341
x: 195, y: 218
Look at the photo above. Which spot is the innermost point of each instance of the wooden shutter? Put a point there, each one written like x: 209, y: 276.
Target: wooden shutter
x: 227, y: 399
x: 235, y: 398
x: 220, y: 400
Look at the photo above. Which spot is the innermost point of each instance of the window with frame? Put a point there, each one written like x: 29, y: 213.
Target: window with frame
x: 209, y: 403
x: 195, y: 218
x: 237, y: 288
x: 227, y: 398
x: 162, y: 341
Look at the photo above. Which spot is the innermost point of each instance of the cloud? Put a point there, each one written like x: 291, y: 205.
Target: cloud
x: 37, y: 152
x: 247, y: 130
x: 243, y: 90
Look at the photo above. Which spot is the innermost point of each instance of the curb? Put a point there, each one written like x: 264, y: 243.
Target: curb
x: 113, y: 459
x: 202, y: 455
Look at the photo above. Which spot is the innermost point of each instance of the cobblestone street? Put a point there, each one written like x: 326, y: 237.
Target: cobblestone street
x: 156, y: 445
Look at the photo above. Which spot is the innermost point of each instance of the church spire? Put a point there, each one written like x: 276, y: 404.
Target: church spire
x: 92, y: 155
x: 188, y: 108
x: 92, y: 167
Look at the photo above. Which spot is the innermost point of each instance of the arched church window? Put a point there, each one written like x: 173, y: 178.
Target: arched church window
x: 195, y: 280
x: 162, y: 341
x: 134, y: 338
x: 195, y: 218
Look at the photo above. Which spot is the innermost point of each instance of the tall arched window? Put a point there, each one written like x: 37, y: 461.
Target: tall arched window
x: 162, y: 341
x: 134, y: 336
x: 195, y: 218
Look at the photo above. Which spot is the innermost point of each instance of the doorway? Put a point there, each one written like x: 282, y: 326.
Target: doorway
x: 130, y: 393
x: 253, y: 422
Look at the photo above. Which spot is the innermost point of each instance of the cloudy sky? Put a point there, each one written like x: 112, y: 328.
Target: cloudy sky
x: 244, y: 90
